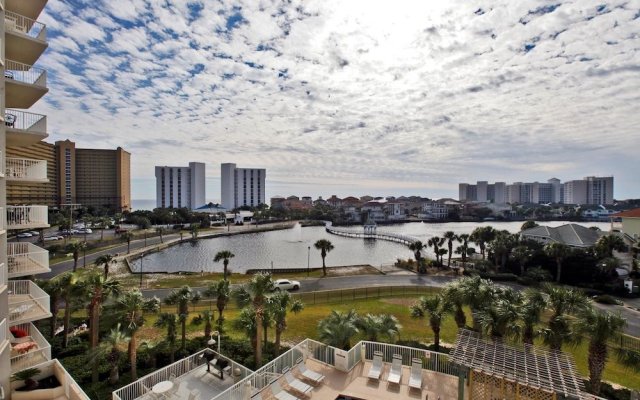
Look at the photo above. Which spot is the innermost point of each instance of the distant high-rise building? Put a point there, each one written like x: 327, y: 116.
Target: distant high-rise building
x: 242, y: 186
x: 178, y: 187
x: 499, y: 192
x: 599, y: 189
x: 556, y: 190
x: 575, y: 192
x: 481, y: 191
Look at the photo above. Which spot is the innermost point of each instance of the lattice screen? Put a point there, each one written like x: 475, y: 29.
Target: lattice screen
x: 488, y: 387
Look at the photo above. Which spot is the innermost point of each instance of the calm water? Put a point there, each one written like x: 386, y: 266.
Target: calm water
x: 289, y: 248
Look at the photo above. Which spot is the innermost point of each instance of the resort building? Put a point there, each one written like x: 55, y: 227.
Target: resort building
x: 629, y: 224
x: 99, y: 178
x: 242, y: 187
x: 22, y: 346
x: 178, y: 187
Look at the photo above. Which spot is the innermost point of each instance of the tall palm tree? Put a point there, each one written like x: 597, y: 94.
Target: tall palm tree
x: 533, y: 306
x: 127, y: 236
x: 105, y: 260
x: 280, y: 304
x: 194, y: 229
x: 608, y: 243
x: 501, y: 246
x: 522, y: 254
x: 205, y: 318
x: 55, y: 290
x: 559, y: 252
x: 600, y: 327
x: 255, y: 292
x: 133, y: 305
x: 464, y: 250
x: 481, y: 236
x: 75, y: 248
x: 338, y: 328
x: 454, y: 294
x: 373, y: 327
x: 99, y: 290
x: 110, y: 348
x: 181, y: 299
x: 225, y: 256
x: 325, y: 247
x: 500, y: 317
x: 68, y: 282
x: 246, y: 322
x: 416, y: 247
x: 561, y: 301
x: 436, y: 242
x: 450, y: 236
x: 476, y: 293
x: 436, y: 308
x: 222, y: 293
x: 169, y: 321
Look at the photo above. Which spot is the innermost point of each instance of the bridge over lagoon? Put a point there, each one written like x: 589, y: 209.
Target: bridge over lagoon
x: 372, y: 234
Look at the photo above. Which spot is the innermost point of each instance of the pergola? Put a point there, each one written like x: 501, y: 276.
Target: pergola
x: 499, y: 370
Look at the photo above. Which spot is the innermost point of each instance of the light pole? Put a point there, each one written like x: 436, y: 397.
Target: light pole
x: 212, y: 341
x: 308, y: 259
x: 141, y: 260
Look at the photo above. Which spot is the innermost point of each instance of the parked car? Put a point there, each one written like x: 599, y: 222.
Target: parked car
x: 85, y: 230
x: 34, y: 233
x: 286, y: 284
x: 52, y: 238
x: 120, y: 230
x: 24, y: 235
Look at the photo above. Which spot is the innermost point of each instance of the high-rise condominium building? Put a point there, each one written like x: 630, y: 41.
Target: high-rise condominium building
x: 178, y: 187
x: 22, y: 41
x: 599, y: 189
x: 87, y: 177
x: 242, y: 186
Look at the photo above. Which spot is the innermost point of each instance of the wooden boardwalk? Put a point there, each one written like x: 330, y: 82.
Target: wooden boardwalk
x: 388, y: 236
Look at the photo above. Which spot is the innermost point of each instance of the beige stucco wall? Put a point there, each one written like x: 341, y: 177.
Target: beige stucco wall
x: 631, y: 226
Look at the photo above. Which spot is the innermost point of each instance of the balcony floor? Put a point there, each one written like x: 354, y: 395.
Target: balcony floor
x: 30, y: 310
x: 21, y: 266
x: 208, y: 384
x: 27, y: 360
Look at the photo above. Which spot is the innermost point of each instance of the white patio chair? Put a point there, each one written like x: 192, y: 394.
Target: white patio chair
x: 280, y: 394
x: 395, y: 375
x: 313, y: 376
x: 194, y: 395
x: 415, y: 380
x: 376, y: 367
x: 297, y: 384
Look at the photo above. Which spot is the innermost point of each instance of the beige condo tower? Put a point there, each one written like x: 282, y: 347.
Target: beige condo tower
x: 22, y: 41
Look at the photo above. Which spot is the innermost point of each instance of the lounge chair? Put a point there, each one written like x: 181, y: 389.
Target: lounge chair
x: 376, y: 367
x: 9, y: 119
x: 297, y: 384
x: 415, y: 380
x: 312, y: 376
x: 395, y: 375
x: 280, y: 394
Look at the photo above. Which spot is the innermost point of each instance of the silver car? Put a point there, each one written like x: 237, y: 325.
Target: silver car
x: 286, y: 284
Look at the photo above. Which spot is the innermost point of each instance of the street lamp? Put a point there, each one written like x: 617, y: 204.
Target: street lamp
x: 212, y: 341
x: 308, y: 259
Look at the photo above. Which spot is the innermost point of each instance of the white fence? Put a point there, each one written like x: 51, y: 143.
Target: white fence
x: 25, y: 73
x: 25, y: 299
x: 26, y: 26
x: 25, y: 121
x: 431, y: 360
x: 25, y: 217
x: 26, y: 169
x: 26, y: 259
x: 35, y: 356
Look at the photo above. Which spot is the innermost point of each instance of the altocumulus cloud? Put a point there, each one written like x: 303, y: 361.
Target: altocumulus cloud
x: 377, y: 96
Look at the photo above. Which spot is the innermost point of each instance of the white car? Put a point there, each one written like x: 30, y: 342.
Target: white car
x: 24, y: 235
x: 52, y: 238
x: 286, y: 284
x: 85, y: 230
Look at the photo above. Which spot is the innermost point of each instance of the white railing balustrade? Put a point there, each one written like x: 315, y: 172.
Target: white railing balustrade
x: 3, y: 275
x: 25, y: 121
x: 25, y: 299
x: 25, y: 217
x: 36, y: 355
x: 4, y: 330
x: 26, y: 259
x: 431, y: 360
x: 25, y: 73
x: 19, y: 23
x: 3, y: 219
x: 1, y: 164
x: 25, y: 169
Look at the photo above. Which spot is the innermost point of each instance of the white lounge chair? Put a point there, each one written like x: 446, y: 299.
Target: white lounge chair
x: 280, y: 394
x: 415, y: 380
x: 312, y: 376
x: 395, y: 375
x: 297, y: 384
x: 376, y: 367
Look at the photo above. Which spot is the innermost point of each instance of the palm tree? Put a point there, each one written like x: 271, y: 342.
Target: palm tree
x: 181, y: 299
x: 436, y: 242
x: 450, y: 236
x: 246, y: 322
x: 105, y: 260
x: 280, y: 304
x: 133, y: 306
x: 127, y: 236
x: 481, y: 236
x: 68, y: 282
x: 499, y: 318
x: 501, y: 246
x: 464, y: 250
x: 559, y: 252
x: 416, y: 247
x: 225, y: 256
x: 374, y: 327
x: 160, y: 231
x: 109, y: 348
x: 222, y: 293
x: 55, y: 290
x: 169, y: 321
x: 522, y: 254
x: 338, y: 328
x: 75, y: 248
x: 99, y: 290
x: 325, y: 247
x: 453, y: 294
x: 207, y: 318
x: 607, y: 244
x: 194, y: 229
x: 476, y: 293
x: 561, y: 301
x: 437, y: 309
x: 600, y: 327
x: 533, y: 306
x: 255, y: 293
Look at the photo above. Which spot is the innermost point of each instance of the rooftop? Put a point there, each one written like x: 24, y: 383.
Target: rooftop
x: 570, y: 234
x: 633, y: 213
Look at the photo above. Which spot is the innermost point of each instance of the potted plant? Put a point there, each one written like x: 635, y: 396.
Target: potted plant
x: 27, y: 375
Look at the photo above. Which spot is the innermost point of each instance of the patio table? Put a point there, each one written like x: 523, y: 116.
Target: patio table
x: 162, y: 387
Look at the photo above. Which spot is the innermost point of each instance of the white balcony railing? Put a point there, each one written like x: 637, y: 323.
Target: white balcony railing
x: 3, y: 275
x: 26, y: 259
x: 29, y: 350
x: 1, y: 164
x: 69, y: 387
x: 3, y: 330
x: 27, y: 302
x: 27, y: 217
x: 24, y: 169
x: 18, y: 23
x: 24, y: 73
x: 25, y: 121
x: 3, y: 220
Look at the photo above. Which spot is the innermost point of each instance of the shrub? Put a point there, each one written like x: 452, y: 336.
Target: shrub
x: 538, y: 274
x: 606, y: 299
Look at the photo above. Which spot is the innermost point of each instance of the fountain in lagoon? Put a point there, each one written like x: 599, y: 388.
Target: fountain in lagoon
x: 296, y: 233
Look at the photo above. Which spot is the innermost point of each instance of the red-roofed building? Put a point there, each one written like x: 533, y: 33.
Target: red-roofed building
x: 630, y: 223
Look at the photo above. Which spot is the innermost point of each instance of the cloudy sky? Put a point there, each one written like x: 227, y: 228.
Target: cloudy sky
x: 352, y: 97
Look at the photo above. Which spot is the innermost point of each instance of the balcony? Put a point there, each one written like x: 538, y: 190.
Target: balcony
x: 30, y: 9
x: 28, y: 347
x: 26, y: 38
x: 3, y: 221
x: 26, y: 170
x: 24, y: 84
x: 3, y: 331
x: 27, y: 303
x: 1, y: 164
x: 26, y: 259
x: 27, y: 217
x: 3, y: 275
x: 24, y: 128
x: 68, y: 389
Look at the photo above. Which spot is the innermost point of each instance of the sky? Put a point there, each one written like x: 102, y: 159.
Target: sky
x: 352, y: 97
